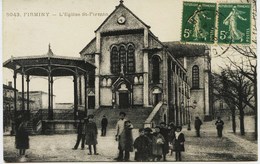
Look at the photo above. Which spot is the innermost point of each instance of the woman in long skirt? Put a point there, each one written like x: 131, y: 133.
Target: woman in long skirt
x: 22, y: 138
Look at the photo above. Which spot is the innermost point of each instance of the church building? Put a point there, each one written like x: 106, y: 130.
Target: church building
x: 135, y: 69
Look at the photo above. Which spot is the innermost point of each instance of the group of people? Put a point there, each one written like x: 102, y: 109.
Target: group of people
x: 149, y: 145
x: 87, y: 133
x: 219, y: 126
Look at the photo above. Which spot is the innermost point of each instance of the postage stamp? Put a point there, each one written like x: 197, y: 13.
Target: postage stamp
x: 198, y: 22
x: 234, y: 23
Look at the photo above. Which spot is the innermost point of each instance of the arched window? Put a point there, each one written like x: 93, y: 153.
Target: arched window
x: 130, y: 59
x: 195, y: 76
x: 122, y: 56
x: 115, y: 61
x: 156, y: 69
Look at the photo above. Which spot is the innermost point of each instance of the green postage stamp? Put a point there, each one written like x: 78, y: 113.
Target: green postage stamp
x: 234, y: 23
x: 198, y: 22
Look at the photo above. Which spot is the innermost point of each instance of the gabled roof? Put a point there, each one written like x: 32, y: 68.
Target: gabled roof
x: 121, y: 5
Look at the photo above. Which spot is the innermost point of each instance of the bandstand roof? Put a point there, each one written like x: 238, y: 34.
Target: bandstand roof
x: 42, y: 64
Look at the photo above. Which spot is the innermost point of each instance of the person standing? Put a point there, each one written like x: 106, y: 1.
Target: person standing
x: 119, y: 130
x: 141, y: 144
x: 149, y: 135
x: 104, y: 123
x: 81, y: 135
x: 158, y: 142
x: 126, y: 141
x: 91, y: 135
x: 219, y: 126
x: 197, y: 124
x: 22, y: 138
x: 165, y: 133
x: 179, y: 143
x: 172, y: 129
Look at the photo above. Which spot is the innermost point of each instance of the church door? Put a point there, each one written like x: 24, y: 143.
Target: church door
x: 123, y: 100
x: 157, y: 98
x: 91, y: 102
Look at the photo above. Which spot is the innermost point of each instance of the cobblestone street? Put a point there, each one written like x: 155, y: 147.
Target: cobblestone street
x: 209, y: 147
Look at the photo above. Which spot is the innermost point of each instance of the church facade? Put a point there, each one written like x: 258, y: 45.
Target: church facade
x: 134, y: 68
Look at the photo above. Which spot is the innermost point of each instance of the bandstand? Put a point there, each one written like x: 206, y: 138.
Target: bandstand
x: 50, y: 66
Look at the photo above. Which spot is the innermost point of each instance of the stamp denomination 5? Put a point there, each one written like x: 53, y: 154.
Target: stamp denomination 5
x: 234, y: 23
x: 198, y: 22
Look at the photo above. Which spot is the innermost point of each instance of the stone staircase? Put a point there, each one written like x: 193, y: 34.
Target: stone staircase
x: 136, y: 115
x: 30, y: 128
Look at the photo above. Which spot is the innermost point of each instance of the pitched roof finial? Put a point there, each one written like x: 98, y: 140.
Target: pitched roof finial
x: 50, y: 53
x: 121, y: 1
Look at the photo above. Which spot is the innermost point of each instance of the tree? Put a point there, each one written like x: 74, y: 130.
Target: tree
x: 219, y: 94
x: 240, y: 90
x: 236, y: 90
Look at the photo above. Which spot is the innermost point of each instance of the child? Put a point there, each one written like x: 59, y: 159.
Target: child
x: 165, y: 133
x: 141, y: 144
x: 172, y: 136
x: 91, y: 134
x: 149, y: 135
x: 126, y: 141
x: 158, y: 142
x: 179, y: 143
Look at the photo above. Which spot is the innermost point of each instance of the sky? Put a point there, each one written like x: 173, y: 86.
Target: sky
x: 26, y: 35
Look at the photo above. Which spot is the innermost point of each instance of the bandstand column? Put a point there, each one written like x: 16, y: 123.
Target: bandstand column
x: 14, y: 124
x: 28, y: 90
x: 79, y: 90
x: 51, y: 81
x: 85, y: 90
x: 23, y: 105
x: 50, y: 112
x: 15, y: 96
x: 75, y: 97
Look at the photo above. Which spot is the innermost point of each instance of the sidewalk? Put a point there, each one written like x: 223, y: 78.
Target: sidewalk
x: 251, y: 147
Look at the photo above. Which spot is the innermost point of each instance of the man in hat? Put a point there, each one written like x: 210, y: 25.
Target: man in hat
x: 81, y: 135
x: 197, y: 124
x: 104, y: 123
x: 219, y: 125
x: 119, y: 129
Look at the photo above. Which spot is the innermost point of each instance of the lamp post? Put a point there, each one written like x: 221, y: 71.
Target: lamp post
x: 188, y: 114
x: 182, y: 112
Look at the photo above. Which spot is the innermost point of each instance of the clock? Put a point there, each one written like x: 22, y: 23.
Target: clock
x: 121, y: 20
